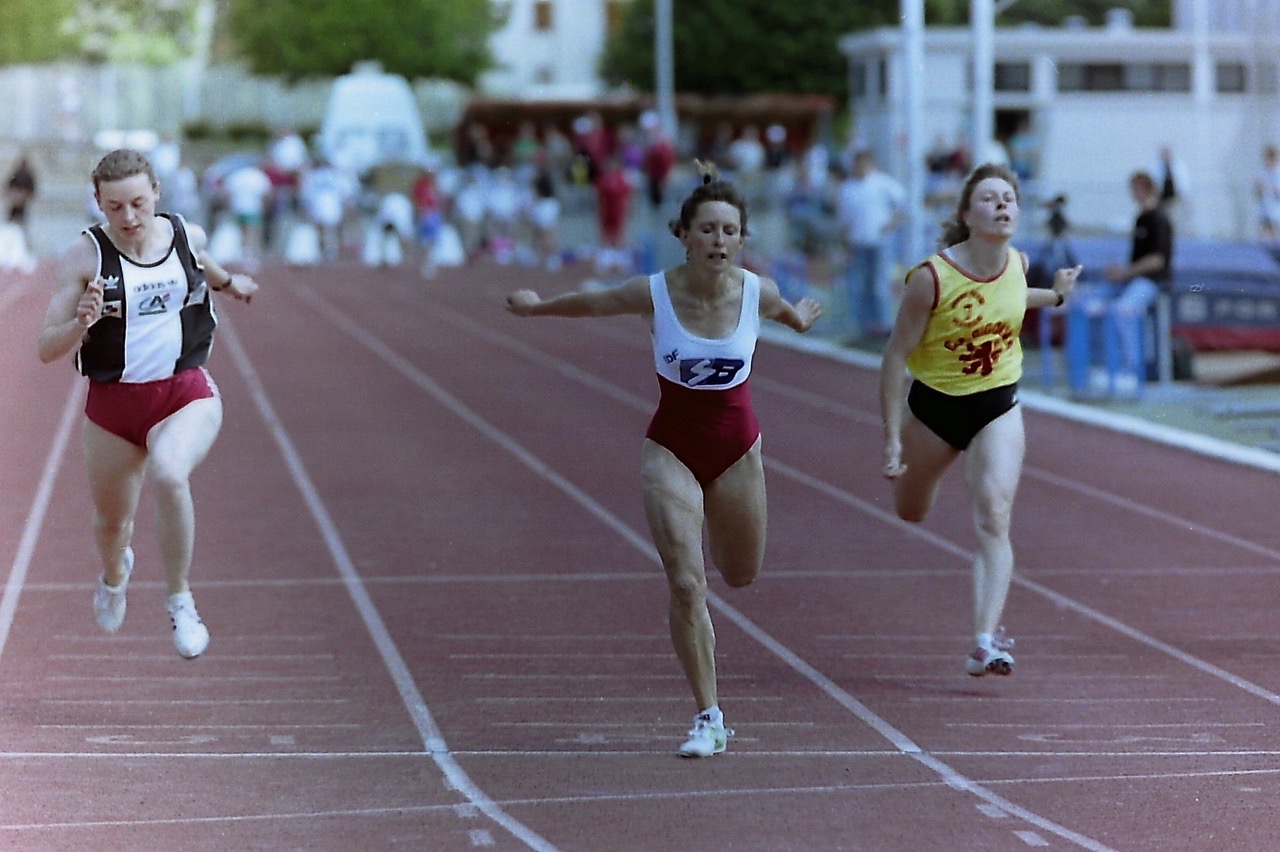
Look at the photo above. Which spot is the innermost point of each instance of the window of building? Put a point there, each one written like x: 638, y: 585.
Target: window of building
x: 1230, y: 77
x: 543, y: 19
x: 545, y: 75
x: 857, y: 80
x: 1267, y: 78
x: 1013, y: 77
x: 1118, y: 77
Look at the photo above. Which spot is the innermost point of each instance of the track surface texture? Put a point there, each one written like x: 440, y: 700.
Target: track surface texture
x: 438, y: 622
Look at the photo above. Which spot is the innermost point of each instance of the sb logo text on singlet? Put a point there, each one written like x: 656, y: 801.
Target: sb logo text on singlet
x: 697, y: 372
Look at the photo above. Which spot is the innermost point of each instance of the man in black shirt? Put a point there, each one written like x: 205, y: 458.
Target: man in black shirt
x: 1148, y: 273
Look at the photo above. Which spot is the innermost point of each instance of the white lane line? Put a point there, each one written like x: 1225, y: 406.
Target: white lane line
x: 199, y: 702
x: 682, y: 795
x: 553, y: 656
x: 576, y: 754
x: 1168, y: 518
x: 432, y: 740
x: 39, y: 505
x: 1110, y: 726
x: 105, y: 656
x: 780, y: 575
x: 1031, y: 838
x: 196, y: 679
x: 900, y: 740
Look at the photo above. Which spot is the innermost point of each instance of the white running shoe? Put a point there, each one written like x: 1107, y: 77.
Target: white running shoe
x: 991, y: 657
x: 190, y: 636
x: 109, y: 601
x: 706, y: 738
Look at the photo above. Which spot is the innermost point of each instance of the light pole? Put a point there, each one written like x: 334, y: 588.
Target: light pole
x: 664, y: 68
x: 913, y: 81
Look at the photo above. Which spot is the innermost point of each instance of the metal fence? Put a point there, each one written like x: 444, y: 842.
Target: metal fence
x: 72, y: 103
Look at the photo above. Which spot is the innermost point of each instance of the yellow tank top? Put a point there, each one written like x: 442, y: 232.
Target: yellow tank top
x: 971, y: 343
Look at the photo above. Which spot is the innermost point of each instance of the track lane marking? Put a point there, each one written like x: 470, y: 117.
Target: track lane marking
x: 432, y: 739
x: 39, y: 505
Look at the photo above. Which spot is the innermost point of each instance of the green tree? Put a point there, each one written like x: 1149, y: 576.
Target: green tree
x: 157, y: 32
x: 742, y: 46
x: 746, y: 46
x: 32, y: 32
x: 150, y: 32
x: 415, y: 38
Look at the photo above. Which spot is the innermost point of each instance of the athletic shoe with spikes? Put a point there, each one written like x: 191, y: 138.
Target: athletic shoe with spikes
x: 190, y: 636
x: 707, y: 737
x: 991, y: 657
x: 109, y: 601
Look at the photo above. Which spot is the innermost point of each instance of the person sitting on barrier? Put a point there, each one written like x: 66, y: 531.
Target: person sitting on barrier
x: 1140, y: 282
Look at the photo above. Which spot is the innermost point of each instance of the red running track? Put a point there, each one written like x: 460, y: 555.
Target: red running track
x: 438, y: 622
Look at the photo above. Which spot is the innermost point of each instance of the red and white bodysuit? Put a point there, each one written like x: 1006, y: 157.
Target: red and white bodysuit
x: 704, y: 414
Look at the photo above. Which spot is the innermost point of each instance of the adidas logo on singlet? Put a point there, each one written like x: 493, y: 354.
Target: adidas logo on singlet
x: 153, y: 305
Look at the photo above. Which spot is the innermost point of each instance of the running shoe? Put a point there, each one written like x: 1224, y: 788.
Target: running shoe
x: 991, y: 657
x: 109, y: 601
x: 707, y: 737
x: 190, y: 636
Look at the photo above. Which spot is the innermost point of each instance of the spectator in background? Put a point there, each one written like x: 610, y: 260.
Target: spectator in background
x: 183, y: 193
x: 775, y: 147
x: 19, y: 192
x: 325, y: 193
x: 1173, y: 184
x: 249, y: 195
x: 429, y: 218
x: 716, y: 149
x: 557, y: 151
x: 1024, y: 152
x: 747, y: 157
x: 1266, y: 188
x: 1140, y: 282
x: 476, y: 147
x: 544, y: 215
x: 613, y: 194
x: 504, y: 201
x: 288, y: 158
x: 525, y: 150
x: 870, y: 205
x: 470, y: 207
x: 591, y: 144
x: 659, y: 159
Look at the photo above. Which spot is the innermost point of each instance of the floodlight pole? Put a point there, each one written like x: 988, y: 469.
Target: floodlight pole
x: 982, y: 21
x: 912, y: 76
x: 664, y: 68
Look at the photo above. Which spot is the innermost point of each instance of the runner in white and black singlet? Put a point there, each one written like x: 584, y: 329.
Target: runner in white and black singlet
x: 132, y: 301
x: 701, y: 462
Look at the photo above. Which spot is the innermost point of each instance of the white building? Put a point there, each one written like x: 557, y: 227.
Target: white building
x: 1101, y: 102
x: 550, y: 49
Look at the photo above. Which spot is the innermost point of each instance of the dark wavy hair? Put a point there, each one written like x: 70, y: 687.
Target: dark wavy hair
x: 710, y: 188
x: 123, y: 163
x: 954, y: 230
